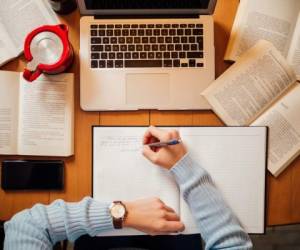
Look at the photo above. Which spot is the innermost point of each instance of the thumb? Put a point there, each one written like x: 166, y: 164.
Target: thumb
x: 149, y: 154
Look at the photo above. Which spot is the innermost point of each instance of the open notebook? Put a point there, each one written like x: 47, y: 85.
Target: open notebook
x: 234, y: 156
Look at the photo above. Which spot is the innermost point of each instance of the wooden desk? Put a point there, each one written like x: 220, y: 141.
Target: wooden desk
x: 283, y: 193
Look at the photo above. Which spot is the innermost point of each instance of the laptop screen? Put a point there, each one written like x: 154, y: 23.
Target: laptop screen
x: 146, y: 4
x: 146, y: 7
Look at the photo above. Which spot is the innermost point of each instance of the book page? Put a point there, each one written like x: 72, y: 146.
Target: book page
x: 7, y: 51
x: 283, y: 121
x: 47, y: 116
x: 9, y: 102
x: 235, y: 157
x: 121, y: 172
x: 271, y: 20
x: 251, y: 85
x: 294, y: 52
x: 22, y: 16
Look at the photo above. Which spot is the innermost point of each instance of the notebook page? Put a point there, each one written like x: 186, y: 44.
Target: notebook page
x: 235, y: 157
x: 120, y: 171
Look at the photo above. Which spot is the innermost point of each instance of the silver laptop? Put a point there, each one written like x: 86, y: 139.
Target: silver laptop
x: 149, y: 54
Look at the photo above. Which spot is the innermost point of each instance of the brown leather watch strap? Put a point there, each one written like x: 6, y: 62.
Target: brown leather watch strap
x: 118, y: 223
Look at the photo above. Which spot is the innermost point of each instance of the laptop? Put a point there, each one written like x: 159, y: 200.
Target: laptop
x: 149, y: 54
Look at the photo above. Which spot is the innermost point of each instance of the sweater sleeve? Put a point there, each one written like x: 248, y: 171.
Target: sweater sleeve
x: 42, y: 226
x: 218, y: 226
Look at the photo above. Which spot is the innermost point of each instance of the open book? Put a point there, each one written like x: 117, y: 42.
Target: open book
x: 36, y: 118
x: 277, y: 21
x: 234, y: 156
x: 261, y: 89
x: 17, y: 19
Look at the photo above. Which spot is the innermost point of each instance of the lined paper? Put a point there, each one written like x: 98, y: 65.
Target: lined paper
x: 234, y: 156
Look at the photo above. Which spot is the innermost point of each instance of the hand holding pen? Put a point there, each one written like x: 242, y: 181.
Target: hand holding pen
x: 163, y: 147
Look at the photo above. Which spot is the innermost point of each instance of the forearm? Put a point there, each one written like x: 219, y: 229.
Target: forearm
x: 218, y: 225
x: 42, y: 226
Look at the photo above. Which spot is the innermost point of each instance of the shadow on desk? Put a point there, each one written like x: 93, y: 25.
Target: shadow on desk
x: 170, y: 242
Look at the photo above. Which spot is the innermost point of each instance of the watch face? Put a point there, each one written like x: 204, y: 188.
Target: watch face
x: 118, y: 211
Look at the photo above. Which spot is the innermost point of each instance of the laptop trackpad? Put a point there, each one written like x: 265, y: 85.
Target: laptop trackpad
x: 147, y: 90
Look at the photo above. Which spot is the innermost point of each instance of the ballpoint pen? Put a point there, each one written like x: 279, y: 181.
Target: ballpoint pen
x: 164, y: 143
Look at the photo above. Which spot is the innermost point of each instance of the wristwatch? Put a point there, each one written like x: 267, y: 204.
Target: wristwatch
x: 118, y: 213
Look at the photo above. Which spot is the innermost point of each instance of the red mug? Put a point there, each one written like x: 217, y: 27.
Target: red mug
x: 47, y: 50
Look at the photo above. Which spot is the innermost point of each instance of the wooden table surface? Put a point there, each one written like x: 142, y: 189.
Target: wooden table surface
x: 283, y: 193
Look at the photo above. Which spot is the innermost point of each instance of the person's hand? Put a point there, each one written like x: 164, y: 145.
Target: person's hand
x: 165, y: 157
x: 152, y: 216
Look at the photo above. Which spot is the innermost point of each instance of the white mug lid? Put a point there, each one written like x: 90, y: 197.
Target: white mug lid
x: 46, y: 48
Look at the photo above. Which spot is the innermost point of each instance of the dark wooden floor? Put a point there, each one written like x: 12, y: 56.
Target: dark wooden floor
x: 278, y: 238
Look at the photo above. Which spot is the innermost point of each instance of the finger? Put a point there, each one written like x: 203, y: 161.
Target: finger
x: 149, y: 154
x: 169, y: 209
x: 157, y: 133
x: 147, y: 137
x: 173, y: 226
x: 172, y: 216
x: 153, y: 140
x: 175, y: 134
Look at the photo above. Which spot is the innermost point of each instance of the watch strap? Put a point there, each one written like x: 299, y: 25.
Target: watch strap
x: 118, y: 223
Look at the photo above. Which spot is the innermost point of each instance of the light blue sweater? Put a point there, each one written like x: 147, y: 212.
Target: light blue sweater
x: 42, y: 226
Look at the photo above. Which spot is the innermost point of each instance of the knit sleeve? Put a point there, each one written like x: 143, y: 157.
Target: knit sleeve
x: 218, y: 226
x: 42, y: 226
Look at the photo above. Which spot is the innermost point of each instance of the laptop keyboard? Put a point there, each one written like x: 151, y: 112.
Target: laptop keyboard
x: 146, y: 45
